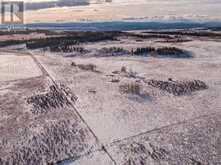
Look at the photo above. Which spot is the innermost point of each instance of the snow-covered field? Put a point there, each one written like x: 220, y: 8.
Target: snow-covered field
x: 114, y: 116
x: 14, y: 67
x: 103, y: 125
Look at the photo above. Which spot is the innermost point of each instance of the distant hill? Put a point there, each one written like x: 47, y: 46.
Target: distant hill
x: 120, y: 26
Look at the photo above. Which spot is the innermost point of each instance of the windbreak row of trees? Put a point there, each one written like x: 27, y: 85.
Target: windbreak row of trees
x: 50, y: 42
x: 164, y: 51
x: 186, y: 33
x: 148, y: 36
x: 146, y: 50
x: 27, y: 31
x: 68, y: 49
x: 11, y: 42
x: 113, y: 50
x: 73, y: 38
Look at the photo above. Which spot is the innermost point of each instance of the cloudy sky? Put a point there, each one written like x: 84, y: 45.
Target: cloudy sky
x: 108, y: 10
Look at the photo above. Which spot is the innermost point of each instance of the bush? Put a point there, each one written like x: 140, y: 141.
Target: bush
x: 73, y: 64
x: 88, y: 67
x: 123, y: 69
x: 115, y: 80
x: 130, y: 88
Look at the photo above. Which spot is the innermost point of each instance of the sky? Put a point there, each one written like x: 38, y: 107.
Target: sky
x: 116, y: 10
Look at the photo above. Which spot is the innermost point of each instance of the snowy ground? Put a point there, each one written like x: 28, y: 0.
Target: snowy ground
x: 125, y: 129
x: 14, y: 67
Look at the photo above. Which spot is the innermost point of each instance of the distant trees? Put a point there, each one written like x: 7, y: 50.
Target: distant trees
x: 179, y: 88
x: 169, y: 51
x: 11, y: 42
x: 72, y: 38
x: 186, y: 33
x: 142, y: 51
x: 51, y: 42
x: 68, y: 49
x: 164, y: 51
x: 113, y: 51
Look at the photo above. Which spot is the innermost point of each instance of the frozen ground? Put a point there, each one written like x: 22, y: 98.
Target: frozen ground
x: 105, y: 126
x: 55, y: 134
x: 13, y: 67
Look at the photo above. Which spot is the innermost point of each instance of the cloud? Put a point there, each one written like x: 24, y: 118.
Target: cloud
x: 51, y: 4
x: 44, y: 4
x: 98, y: 10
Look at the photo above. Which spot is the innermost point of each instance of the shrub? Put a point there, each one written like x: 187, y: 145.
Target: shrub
x: 130, y: 88
x: 115, y: 72
x: 88, y: 67
x: 123, y: 69
x: 73, y: 64
x: 132, y: 74
x: 115, y: 80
